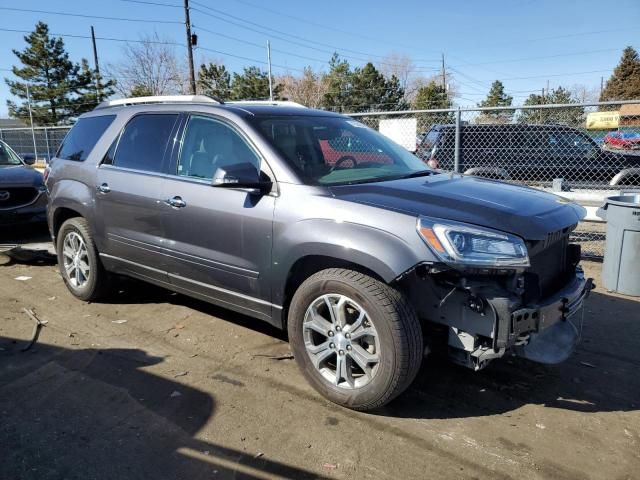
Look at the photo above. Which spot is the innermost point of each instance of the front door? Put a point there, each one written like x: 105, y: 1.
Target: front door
x: 218, y: 240
x: 128, y: 199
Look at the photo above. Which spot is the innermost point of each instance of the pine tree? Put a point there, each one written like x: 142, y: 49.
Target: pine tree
x: 624, y: 84
x: 338, y: 93
x: 214, y: 80
x: 432, y: 97
x: 60, y: 90
x: 496, y: 98
x: 371, y: 91
x: 252, y: 84
x: 90, y: 89
x: 573, y: 116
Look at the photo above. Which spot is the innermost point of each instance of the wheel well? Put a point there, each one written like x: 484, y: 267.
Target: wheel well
x: 304, y: 267
x: 62, y: 215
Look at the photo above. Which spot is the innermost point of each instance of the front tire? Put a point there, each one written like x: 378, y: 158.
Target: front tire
x: 356, y: 339
x: 78, y: 260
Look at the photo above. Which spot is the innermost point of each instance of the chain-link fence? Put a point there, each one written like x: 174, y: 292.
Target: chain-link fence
x: 583, y: 152
x: 580, y: 151
x: 42, y: 142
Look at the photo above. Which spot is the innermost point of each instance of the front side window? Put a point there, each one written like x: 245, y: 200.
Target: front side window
x: 328, y: 150
x: 143, y: 142
x: 7, y: 157
x: 83, y: 137
x: 571, y: 141
x: 208, y: 145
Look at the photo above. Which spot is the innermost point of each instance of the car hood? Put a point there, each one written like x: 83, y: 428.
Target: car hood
x: 523, y: 211
x: 19, y: 175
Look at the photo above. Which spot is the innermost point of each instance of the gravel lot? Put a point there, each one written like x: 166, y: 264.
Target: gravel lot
x: 155, y: 385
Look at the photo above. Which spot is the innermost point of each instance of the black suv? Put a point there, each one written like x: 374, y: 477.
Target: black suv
x: 23, y: 196
x: 529, y: 153
x: 364, y: 257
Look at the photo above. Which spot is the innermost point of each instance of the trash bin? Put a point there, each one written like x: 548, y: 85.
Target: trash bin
x: 621, y: 270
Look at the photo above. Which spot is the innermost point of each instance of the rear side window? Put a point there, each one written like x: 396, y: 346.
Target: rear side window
x: 143, y: 142
x: 79, y: 142
x: 432, y: 138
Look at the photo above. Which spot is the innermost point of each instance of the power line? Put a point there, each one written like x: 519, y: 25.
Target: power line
x: 512, y: 60
x: 333, y: 47
x: 220, y: 52
x: 257, y: 45
x: 67, y: 14
x: 557, y: 75
x: 109, y: 39
x: 157, y: 4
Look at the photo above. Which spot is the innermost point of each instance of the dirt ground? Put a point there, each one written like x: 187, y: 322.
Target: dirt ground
x: 155, y: 385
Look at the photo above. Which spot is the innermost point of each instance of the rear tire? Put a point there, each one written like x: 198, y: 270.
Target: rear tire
x: 78, y: 261
x: 357, y: 340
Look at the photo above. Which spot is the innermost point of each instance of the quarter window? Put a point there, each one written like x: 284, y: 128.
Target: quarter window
x: 143, y: 142
x: 83, y: 137
x: 210, y: 144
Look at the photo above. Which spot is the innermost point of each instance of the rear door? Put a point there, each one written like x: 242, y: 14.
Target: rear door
x: 129, y: 196
x: 218, y: 240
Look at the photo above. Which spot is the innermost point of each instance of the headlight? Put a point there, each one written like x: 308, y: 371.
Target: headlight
x: 462, y: 244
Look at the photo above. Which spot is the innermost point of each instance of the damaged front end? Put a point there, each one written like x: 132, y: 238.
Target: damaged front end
x: 528, y: 303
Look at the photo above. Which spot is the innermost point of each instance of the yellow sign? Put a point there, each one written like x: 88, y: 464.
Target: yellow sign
x: 603, y: 120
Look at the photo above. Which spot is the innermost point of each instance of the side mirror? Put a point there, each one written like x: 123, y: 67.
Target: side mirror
x: 242, y: 175
x: 29, y: 158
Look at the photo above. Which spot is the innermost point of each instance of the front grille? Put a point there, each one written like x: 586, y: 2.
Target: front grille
x: 552, y: 266
x: 13, y: 197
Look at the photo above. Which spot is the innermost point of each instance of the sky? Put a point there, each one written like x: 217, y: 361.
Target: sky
x: 523, y: 43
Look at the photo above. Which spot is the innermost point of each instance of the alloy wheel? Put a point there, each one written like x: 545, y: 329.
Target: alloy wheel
x: 75, y: 258
x: 341, y: 341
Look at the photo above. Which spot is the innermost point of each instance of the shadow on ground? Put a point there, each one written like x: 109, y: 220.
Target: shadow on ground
x: 600, y: 377
x: 93, y: 413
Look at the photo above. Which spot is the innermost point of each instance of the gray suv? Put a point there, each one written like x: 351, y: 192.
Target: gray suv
x: 369, y: 260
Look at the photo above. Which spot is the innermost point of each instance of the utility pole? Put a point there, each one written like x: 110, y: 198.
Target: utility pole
x: 97, y: 65
x: 601, y: 86
x: 547, y: 88
x: 269, y: 62
x: 444, y: 83
x: 33, y: 133
x: 187, y: 22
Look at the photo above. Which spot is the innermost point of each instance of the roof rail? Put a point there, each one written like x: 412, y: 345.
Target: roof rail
x: 159, y: 99
x: 278, y: 103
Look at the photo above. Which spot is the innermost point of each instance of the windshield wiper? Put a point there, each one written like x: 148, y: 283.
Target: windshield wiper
x: 419, y: 173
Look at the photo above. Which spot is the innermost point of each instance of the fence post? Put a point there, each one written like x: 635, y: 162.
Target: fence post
x: 456, y: 158
x: 1, y: 135
x: 46, y: 139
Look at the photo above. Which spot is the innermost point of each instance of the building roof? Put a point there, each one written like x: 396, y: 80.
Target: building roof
x: 11, y: 123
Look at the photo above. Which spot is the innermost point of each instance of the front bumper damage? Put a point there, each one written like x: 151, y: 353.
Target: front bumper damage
x: 549, y: 329
x: 487, y: 320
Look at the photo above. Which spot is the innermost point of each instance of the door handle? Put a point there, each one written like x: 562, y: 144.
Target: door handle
x: 176, y: 202
x: 103, y: 188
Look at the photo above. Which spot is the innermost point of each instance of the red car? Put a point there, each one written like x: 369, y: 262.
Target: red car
x: 349, y: 151
x: 622, y: 140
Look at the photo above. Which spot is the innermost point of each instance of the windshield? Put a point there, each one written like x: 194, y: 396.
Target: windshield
x: 7, y: 157
x: 337, y: 151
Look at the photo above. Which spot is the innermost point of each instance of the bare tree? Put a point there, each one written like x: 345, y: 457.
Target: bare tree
x: 150, y: 66
x: 585, y: 94
x: 399, y: 64
x: 308, y: 89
